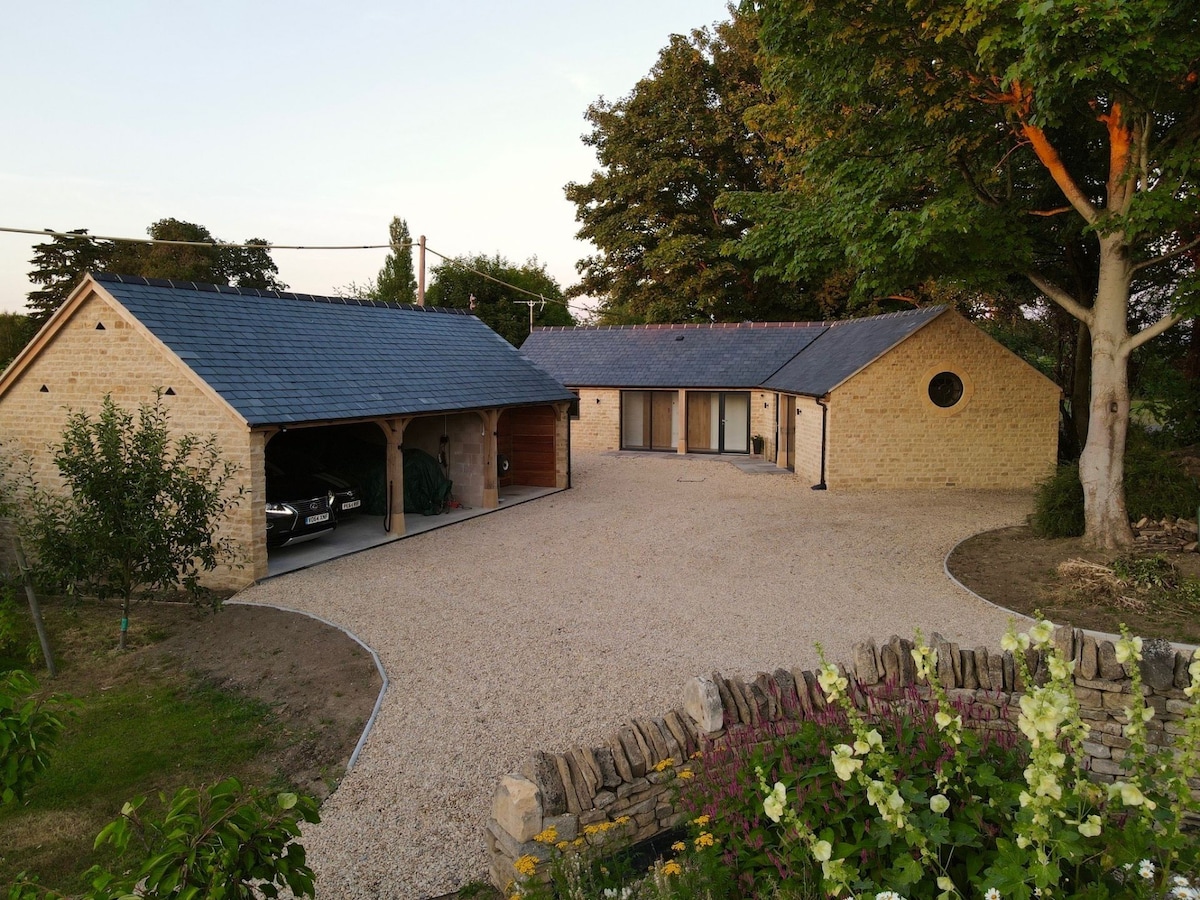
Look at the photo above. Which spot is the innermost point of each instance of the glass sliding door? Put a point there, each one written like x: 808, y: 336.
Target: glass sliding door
x: 735, y: 425
x: 649, y: 420
x: 718, y: 421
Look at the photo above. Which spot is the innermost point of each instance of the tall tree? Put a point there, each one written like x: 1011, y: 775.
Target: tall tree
x: 15, y: 332
x: 397, y: 282
x: 58, y: 264
x: 1039, y: 139
x: 667, y: 152
x: 472, y: 282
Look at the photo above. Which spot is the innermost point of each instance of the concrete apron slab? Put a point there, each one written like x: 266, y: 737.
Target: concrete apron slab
x: 364, y: 532
x: 751, y: 465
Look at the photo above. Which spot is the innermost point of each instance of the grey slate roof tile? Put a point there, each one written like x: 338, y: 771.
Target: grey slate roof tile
x: 808, y: 358
x: 280, y: 358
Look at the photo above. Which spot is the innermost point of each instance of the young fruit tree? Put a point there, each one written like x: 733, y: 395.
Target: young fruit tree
x: 140, y: 512
x: 986, y: 142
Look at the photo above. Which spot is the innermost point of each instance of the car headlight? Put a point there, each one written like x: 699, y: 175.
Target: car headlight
x: 279, y: 509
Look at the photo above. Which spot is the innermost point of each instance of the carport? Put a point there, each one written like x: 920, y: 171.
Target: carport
x: 353, y: 387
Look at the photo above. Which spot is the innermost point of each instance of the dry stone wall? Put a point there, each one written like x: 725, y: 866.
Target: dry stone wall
x: 626, y: 776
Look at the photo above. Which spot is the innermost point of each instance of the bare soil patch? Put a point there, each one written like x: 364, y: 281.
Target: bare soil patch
x: 320, y: 684
x: 1015, y: 569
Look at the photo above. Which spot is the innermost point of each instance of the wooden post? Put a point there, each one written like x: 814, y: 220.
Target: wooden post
x: 394, y: 475
x: 421, y: 273
x: 491, y: 487
x: 35, y: 610
x: 681, y: 415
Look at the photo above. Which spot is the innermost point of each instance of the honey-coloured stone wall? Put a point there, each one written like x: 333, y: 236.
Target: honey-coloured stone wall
x: 98, y: 349
x: 885, y: 431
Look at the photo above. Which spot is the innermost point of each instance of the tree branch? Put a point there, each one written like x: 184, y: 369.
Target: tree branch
x: 1062, y: 298
x: 1058, y: 171
x: 1150, y: 332
x: 1178, y: 251
x: 1048, y: 212
x: 981, y: 195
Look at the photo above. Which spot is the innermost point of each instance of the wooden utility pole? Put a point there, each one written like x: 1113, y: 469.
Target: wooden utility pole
x: 421, y: 273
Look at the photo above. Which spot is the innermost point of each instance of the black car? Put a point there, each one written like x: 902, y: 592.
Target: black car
x: 299, y: 508
x: 347, y: 498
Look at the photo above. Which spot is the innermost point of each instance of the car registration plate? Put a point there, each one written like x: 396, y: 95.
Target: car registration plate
x: 319, y: 517
x: 352, y: 504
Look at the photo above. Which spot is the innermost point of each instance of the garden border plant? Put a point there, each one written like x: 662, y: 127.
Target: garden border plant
x: 988, y: 787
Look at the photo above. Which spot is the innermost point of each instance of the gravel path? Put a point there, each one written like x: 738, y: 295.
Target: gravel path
x: 548, y: 624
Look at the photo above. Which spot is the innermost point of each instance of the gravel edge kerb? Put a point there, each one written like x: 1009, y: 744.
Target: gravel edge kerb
x: 1099, y: 635
x: 362, y: 740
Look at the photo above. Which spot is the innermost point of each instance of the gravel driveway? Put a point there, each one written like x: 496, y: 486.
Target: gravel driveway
x: 546, y: 625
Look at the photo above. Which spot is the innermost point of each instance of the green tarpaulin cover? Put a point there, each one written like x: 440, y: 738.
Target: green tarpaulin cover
x: 426, y: 487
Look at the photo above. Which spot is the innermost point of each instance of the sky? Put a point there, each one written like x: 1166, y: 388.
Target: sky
x: 315, y: 122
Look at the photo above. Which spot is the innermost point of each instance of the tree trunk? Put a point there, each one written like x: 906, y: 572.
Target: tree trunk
x: 1102, y: 464
x: 1081, y: 383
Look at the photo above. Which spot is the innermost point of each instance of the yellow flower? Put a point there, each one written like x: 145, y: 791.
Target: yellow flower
x: 696, y: 755
x: 1129, y: 649
x: 844, y: 762
x: 664, y: 765
x: 547, y: 836
x: 562, y: 845
x: 685, y: 774
x: 1041, y: 633
x: 822, y: 851
x: 577, y: 843
x: 526, y: 865
x: 1091, y: 827
x: 705, y: 839
x: 701, y: 821
x: 679, y: 846
x: 671, y: 867
x: 621, y: 820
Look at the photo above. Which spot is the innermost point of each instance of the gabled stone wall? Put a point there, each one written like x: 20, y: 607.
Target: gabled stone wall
x: 622, y: 775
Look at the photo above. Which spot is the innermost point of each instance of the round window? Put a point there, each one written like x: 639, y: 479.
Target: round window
x: 945, y: 389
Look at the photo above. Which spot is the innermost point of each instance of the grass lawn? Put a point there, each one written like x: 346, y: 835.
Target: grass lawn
x: 142, y: 726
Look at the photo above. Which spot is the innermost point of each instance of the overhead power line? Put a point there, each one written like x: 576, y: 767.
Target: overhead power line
x: 266, y: 245
x: 262, y: 245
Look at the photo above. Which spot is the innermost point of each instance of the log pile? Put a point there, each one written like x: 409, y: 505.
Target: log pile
x: 1155, y: 535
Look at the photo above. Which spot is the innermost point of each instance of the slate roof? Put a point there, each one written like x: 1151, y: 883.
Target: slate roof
x: 809, y: 358
x: 844, y: 348
x: 283, y: 358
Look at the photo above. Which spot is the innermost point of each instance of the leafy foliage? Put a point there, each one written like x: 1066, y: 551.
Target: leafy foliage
x: 986, y: 142
x: 29, y: 729
x: 396, y: 282
x: 667, y: 152
x: 1156, y: 485
x: 141, y: 510
x: 16, y: 330
x: 215, y: 843
x: 58, y: 264
x: 799, y: 756
x: 501, y: 308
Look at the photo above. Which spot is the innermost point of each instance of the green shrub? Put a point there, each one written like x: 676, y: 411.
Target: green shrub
x: 29, y: 730
x: 1058, y: 506
x: 1155, y: 486
x: 220, y: 843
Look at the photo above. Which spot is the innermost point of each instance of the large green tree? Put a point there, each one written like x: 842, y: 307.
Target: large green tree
x: 667, y: 152
x: 481, y: 283
x: 397, y: 282
x: 58, y: 263
x: 987, y: 140
x: 15, y: 331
